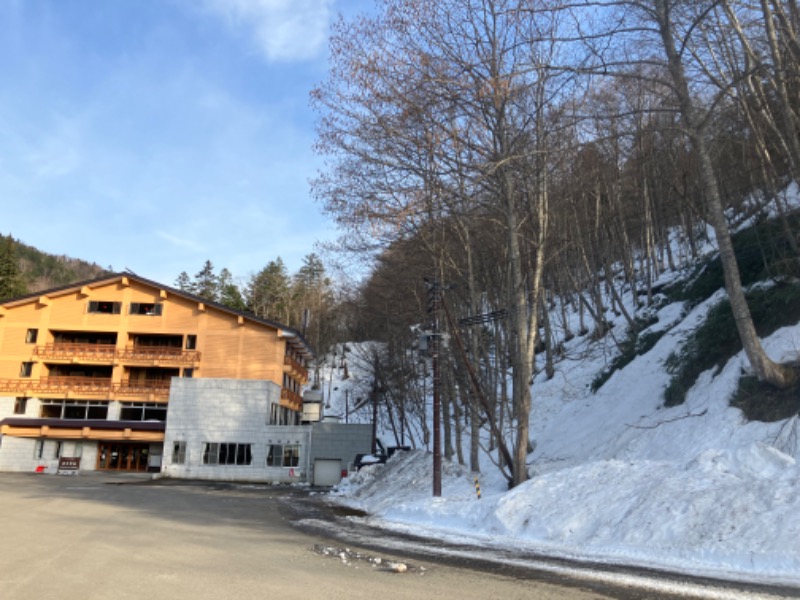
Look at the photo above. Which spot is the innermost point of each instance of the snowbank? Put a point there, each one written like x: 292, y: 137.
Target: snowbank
x: 618, y: 478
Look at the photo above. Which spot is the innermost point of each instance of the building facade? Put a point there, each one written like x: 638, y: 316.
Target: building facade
x: 87, y: 372
x: 222, y: 429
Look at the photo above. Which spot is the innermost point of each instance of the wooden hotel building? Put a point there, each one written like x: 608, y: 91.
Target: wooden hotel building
x: 86, y: 369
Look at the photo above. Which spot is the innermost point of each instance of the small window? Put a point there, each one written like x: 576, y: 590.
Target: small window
x: 179, y: 453
x: 31, y: 336
x: 189, y: 373
x: 146, y: 308
x: 38, y: 449
x: 279, y: 455
x: 103, y: 307
x: 59, y: 446
x: 20, y: 405
x: 191, y: 342
x: 291, y: 455
x: 26, y: 369
x: 210, y: 454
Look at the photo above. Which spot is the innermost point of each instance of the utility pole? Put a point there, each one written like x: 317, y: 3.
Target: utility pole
x: 434, y: 291
x: 374, y: 417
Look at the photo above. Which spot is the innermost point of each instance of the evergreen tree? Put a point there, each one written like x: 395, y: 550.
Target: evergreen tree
x: 206, y: 283
x: 11, y: 283
x: 183, y: 282
x: 312, y: 292
x: 269, y: 292
x: 229, y: 293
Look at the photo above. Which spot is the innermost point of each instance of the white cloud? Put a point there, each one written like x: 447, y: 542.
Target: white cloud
x: 180, y: 242
x: 283, y: 30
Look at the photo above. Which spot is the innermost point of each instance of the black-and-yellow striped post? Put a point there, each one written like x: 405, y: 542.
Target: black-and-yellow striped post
x: 477, y: 487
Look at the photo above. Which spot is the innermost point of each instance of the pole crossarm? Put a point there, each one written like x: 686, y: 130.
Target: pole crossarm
x: 489, y: 317
x: 476, y: 386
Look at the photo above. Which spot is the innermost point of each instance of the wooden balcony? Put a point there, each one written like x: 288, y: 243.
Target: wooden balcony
x: 77, y: 352
x: 87, y: 387
x: 155, y: 388
x: 159, y: 355
x: 107, y: 353
x: 291, y: 400
x: 298, y: 370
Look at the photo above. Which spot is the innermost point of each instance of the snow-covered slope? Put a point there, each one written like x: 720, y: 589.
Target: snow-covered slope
x: 619, y: 478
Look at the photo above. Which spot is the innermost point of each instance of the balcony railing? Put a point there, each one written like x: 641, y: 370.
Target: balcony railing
x: 156, y: 387
x: 109, y: 353
x: 87, y: 386
x: 159, y: 354
x: 88, y: 352
x: 296, y: 367
x: 293, y: 400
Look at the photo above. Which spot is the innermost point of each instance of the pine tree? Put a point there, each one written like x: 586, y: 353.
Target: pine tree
x: 269, y: 292
x: 229, y: 293
x: 183, y: 282
x: 11, y: 283
x: 206, y: 283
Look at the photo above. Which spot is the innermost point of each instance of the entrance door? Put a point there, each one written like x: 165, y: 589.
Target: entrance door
x: 122, y: 457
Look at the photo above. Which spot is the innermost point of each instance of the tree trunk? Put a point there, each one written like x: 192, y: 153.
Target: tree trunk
x: 765, y: 369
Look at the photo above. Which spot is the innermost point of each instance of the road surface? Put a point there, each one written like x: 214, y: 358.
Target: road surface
x: 94, y: 536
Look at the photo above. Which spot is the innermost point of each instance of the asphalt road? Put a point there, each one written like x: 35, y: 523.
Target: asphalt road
x: 90, y: 537
x: 117, y: 537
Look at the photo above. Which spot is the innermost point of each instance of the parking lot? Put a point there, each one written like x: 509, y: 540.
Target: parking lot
x: 122, y: 536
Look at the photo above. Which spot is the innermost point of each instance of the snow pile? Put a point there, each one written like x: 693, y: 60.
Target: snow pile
x: 619, y: 478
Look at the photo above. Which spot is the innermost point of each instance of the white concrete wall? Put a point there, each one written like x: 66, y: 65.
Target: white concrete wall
x: 228, y: 411
x: 7, y: 407
x: 19, y: 454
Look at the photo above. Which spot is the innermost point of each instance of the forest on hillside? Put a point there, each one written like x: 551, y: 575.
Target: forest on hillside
x: 25, y: 269
x: 531, y: 158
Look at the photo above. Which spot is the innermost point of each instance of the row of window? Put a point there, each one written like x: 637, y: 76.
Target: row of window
x: 32, y: 335
x: 292, y: 353
x: 229, y: 453
x: 129, y: 411
x: 135, y: 308
x: 292, y: 384
x: 58, y: 449
x: 26, y: 370
x: 280, y: 415
x: 95, y: 409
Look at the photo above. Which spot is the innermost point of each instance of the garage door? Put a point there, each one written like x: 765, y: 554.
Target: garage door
x: 327, y: 471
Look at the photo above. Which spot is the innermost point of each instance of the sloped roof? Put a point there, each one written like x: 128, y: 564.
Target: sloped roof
x: 298, y: 340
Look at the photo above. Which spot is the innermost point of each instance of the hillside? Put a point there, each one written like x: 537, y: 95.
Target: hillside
x: 40, y: 270
x: 618, y: 475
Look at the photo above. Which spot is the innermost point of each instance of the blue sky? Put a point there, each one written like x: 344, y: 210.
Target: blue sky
x: 155, y: 135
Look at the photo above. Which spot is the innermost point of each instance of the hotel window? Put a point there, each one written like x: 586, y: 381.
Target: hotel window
x: 26, y: 369
x: 104, y: 307
x: 143, y: 411
x: 31, y: 336
x: 74, y: 409
x: 144, y: 308
x: 191, y: 342
x: 227, y: 454
x: 189, y: 373
x: 178, y: 453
